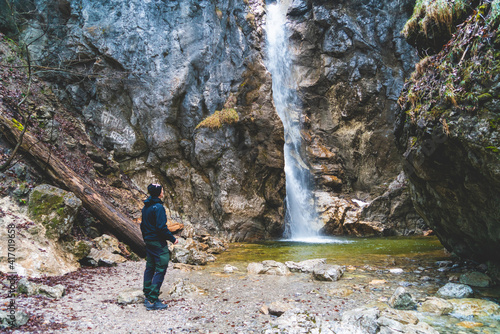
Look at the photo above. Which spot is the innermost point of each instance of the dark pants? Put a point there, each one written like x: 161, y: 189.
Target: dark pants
x: 157, y: 257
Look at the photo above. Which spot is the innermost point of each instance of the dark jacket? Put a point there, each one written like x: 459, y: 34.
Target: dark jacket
x: 154, y: 222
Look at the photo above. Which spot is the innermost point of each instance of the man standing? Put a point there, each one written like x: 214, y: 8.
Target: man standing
x: 155, y: 234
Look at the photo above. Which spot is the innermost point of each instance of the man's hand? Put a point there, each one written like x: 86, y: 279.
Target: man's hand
x: 176, y: 241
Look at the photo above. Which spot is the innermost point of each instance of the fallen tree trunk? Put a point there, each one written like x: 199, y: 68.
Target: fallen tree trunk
x: 122, y: 226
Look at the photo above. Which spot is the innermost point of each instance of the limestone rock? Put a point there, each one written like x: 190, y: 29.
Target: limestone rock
x: 103, y: 257
x: 361, y: 320
x: 268, y: 267
x: 305, y: 266
x: 453, y: 290
x: 55, y: 208
x: 107, y: 243
x: 435, y: 305
x: 31, y: 289
x: 181, y: 288
x: 327, y: 272
x: 402, y: 300
x: 130, y: 296
x: 20, y: 319
x: 278, y: 308
x: 52, y: 259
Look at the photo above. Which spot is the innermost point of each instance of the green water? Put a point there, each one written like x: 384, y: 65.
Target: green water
x: 342, y: 251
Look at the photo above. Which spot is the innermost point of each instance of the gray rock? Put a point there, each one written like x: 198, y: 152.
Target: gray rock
x: 31, y: 289
x: 453, y: 290
x: 326, y: 272
x: 361, y: 320
x: 19, y: 318
x: 268, y: 267
x: 475, y: 279
x: 306, y: 266
x: 402, y: 300
x: 181, y: 288
x: 103, y: 257
x: 278, y: 308
x: 130, y: 296
x: 229, y: 269
x: 55, y: 208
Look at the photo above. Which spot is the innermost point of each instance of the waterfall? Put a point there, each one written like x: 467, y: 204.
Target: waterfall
x: 300, y: 215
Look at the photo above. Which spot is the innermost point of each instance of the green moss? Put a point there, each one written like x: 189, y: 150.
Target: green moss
x: 218, y: 118
x: 428, y: 14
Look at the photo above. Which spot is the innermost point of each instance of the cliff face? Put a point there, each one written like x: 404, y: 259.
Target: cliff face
x: 144, y: 74
x: 448, y: 131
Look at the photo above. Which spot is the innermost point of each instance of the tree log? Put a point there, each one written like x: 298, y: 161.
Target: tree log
x: 122, y: 226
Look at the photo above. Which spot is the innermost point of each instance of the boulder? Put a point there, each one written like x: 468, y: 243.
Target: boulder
x: 278, y: 308
x: 475, y: 279
x: 229, y: 269
x: 361, y: 320
x: 402, y: 300
x: 107, y: 243
x: 55, y: 208
x: 268, y: 267
x: 435, y: 305
x: 306, y: 266
x: 454, y: 290
x: 326, y: 272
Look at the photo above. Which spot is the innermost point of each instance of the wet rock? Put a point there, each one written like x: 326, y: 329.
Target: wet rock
x: 325, y: 272
x: 402, y: 300
x: 20, y: 319
x: 475, y: 279
x: 472, y: 307
x: 453, y: 290
x: 435, y: 305
x: 306, y: 266
x: 55, y: 208
x: 391, y: 326
x: 130, y: 296
x: 403, y: 317
x: 340, y: 292
x: 268, y: 267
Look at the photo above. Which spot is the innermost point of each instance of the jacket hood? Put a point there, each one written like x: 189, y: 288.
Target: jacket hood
x: 152, y: 200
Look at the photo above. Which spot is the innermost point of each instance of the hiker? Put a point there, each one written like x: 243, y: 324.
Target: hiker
x: 155, y: 234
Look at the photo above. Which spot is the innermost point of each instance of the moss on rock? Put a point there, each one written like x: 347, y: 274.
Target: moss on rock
x: 55, y: 208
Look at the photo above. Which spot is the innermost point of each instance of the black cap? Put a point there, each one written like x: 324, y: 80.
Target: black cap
x: 154, y: 189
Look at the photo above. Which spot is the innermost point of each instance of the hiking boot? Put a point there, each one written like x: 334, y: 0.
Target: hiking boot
x: 157, y: 305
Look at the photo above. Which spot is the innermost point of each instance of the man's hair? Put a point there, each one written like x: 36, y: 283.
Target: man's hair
x: 154, y: 189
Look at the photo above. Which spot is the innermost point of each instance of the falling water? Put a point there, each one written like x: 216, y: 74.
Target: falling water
x: 300, y: 216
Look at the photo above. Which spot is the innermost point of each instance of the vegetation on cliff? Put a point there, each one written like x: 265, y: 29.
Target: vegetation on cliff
x: 463, y: 78
x: 218, y: 118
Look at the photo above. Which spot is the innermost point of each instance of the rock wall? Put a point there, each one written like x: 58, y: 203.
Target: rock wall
x: 448, y: 131
x: 144, y: 74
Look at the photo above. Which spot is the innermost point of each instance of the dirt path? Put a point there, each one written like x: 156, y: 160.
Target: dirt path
x: 229, y: 303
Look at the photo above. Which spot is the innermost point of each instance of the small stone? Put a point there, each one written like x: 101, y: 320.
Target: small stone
x: 470, y: 324
x: 278, y: 308
x: 377, y: 282
x: 453, y: 290
x: 264, y: 310
x: 396, y: 271
x: 27, y: 287
x: 130, y: 296
x: 402, y: 300
x: 229, y: 269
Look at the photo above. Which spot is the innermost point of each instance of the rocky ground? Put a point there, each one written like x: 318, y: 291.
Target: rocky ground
x: 209, y: 300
